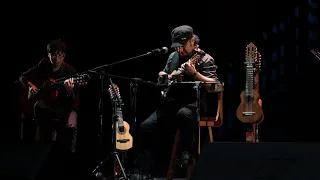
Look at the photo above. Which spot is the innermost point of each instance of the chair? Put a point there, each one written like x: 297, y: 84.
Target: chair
x: 205, y: 121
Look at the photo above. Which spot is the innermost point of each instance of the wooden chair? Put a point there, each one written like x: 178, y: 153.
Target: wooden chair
x: 205, y: 121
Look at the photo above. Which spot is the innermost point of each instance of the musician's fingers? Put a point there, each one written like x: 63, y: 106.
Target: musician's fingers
x: 34, y: 91
x: 71, y: 80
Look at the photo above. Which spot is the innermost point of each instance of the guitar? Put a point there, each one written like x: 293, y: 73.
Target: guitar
x: 177, y: 75
x: 249, y: 110
x: 192, y: 61
x: 123, y: 137
x: 48, y: 91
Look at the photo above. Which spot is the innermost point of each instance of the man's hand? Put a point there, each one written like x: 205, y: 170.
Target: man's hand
x: 189, y: 69
x: 32, y: 90
x: 68, y: 84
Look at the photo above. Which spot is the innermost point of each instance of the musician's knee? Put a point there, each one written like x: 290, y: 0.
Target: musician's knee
x: 185, y: 113
x: 39, y: 105
x: 73, y: 119
x: 144, y: 127
x: 148, y: 125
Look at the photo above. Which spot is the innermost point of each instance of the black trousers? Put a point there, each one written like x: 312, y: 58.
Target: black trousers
x: 64, y: 123
x: 166, y: 119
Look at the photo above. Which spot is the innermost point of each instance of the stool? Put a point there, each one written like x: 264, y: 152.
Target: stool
x: 205, y: 121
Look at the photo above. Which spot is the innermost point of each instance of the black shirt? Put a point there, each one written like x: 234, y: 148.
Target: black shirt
x: 42, y: 73
x: 185, y: 93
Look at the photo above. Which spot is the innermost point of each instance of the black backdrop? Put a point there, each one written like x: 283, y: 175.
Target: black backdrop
x: 98, y: 34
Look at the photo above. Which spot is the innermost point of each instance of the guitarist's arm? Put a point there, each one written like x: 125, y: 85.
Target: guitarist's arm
x: 72, y: 98
x: 27, y: 77
x: 206, y: 73
x: 167, y: 69
x: 71, y: 92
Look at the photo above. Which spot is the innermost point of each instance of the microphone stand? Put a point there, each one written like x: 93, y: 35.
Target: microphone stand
x: 316, y: 54
x: 101, y: 107
x: 133, y: 84
x: 133, y: 101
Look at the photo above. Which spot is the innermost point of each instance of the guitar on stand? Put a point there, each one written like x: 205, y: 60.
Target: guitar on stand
x: 123, y: 137
x: 250, y: 111
x: 123, y: 140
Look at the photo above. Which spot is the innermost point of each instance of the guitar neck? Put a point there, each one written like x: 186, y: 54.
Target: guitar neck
x: 249, y: 80
x: 256, y: 82
x: 118, y: 112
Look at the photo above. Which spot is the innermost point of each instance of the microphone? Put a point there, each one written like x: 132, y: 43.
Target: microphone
x: 317, y: 54
x: 158, y: 51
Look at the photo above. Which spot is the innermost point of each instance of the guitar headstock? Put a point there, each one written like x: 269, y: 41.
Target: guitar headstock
x: 81, y: 79
x: 114, y: 93
x: 251, y: 54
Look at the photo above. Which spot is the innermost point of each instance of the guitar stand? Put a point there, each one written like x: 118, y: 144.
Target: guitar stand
x: 252, y: 134
x: 116, y: 160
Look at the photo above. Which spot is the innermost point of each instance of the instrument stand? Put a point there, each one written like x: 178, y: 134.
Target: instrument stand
x: 114, y: 138
x: 252, y: 134
x: 97, y: 70
x: 116, y: 160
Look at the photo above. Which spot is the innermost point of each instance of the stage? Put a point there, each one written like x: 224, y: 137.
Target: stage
x: 272, y: 160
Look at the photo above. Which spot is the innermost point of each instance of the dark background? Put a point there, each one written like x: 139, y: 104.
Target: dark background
x: 98, y: 34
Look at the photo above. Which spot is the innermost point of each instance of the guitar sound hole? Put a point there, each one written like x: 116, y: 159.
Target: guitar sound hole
x: 121, y: 130
x: 249, y: 99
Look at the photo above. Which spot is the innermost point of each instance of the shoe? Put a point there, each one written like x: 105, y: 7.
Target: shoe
x: 137, y: 176
x: 185, y: 159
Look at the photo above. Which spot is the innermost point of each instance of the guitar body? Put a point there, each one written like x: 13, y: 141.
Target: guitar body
x: 249, y: 112
x: 48, y: 92
x: 27, y: 102
x: 123, y: 139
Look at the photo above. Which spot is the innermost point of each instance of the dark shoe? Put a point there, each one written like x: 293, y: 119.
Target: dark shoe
x: 137, y: 176
x: 185, y: 159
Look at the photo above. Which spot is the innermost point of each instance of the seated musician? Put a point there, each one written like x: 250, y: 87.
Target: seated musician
x: 53, y: 114
x: 179, y: 107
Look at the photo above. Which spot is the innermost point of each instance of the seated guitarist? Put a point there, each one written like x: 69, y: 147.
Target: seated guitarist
x: 56, y: 114
x: 179, y: 108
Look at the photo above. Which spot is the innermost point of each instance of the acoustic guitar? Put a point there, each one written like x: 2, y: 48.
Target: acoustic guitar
x: 124, y: 139
x: 48, y: 91
x: 249, y: 110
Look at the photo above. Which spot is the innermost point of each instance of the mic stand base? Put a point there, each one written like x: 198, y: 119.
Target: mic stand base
x: 99, y: 175
x: 116, y: 160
